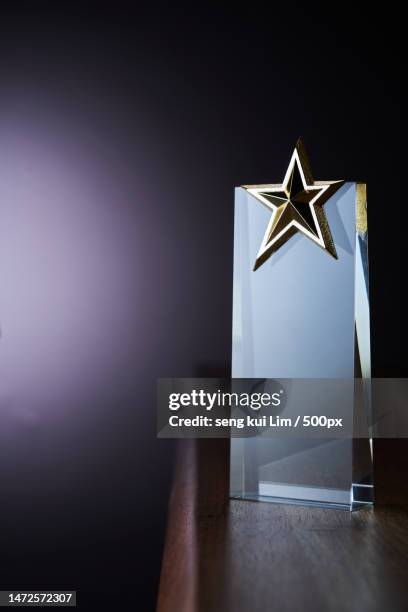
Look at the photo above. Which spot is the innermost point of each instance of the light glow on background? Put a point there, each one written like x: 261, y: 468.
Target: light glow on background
x: 70, y: 266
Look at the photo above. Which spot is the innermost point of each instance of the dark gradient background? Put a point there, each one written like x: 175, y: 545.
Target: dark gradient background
x: 123, y: 129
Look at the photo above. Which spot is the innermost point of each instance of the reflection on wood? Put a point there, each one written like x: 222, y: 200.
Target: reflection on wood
x: 257, y: 556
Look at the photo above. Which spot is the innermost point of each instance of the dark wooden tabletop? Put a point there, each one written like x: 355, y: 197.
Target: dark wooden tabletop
x: 241, y: 556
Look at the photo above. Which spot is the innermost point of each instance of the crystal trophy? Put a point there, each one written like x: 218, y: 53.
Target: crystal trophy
x: 301, y: 311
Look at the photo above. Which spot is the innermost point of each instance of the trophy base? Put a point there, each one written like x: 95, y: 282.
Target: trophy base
x: 325, y: 473
x: 359, y: 496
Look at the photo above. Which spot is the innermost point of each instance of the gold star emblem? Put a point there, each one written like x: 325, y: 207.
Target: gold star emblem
x: 297, y: 206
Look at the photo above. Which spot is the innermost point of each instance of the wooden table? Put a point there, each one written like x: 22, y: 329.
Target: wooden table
x: 241, y: 556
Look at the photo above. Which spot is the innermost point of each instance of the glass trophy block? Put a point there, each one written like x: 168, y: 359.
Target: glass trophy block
x: 302, y: 314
